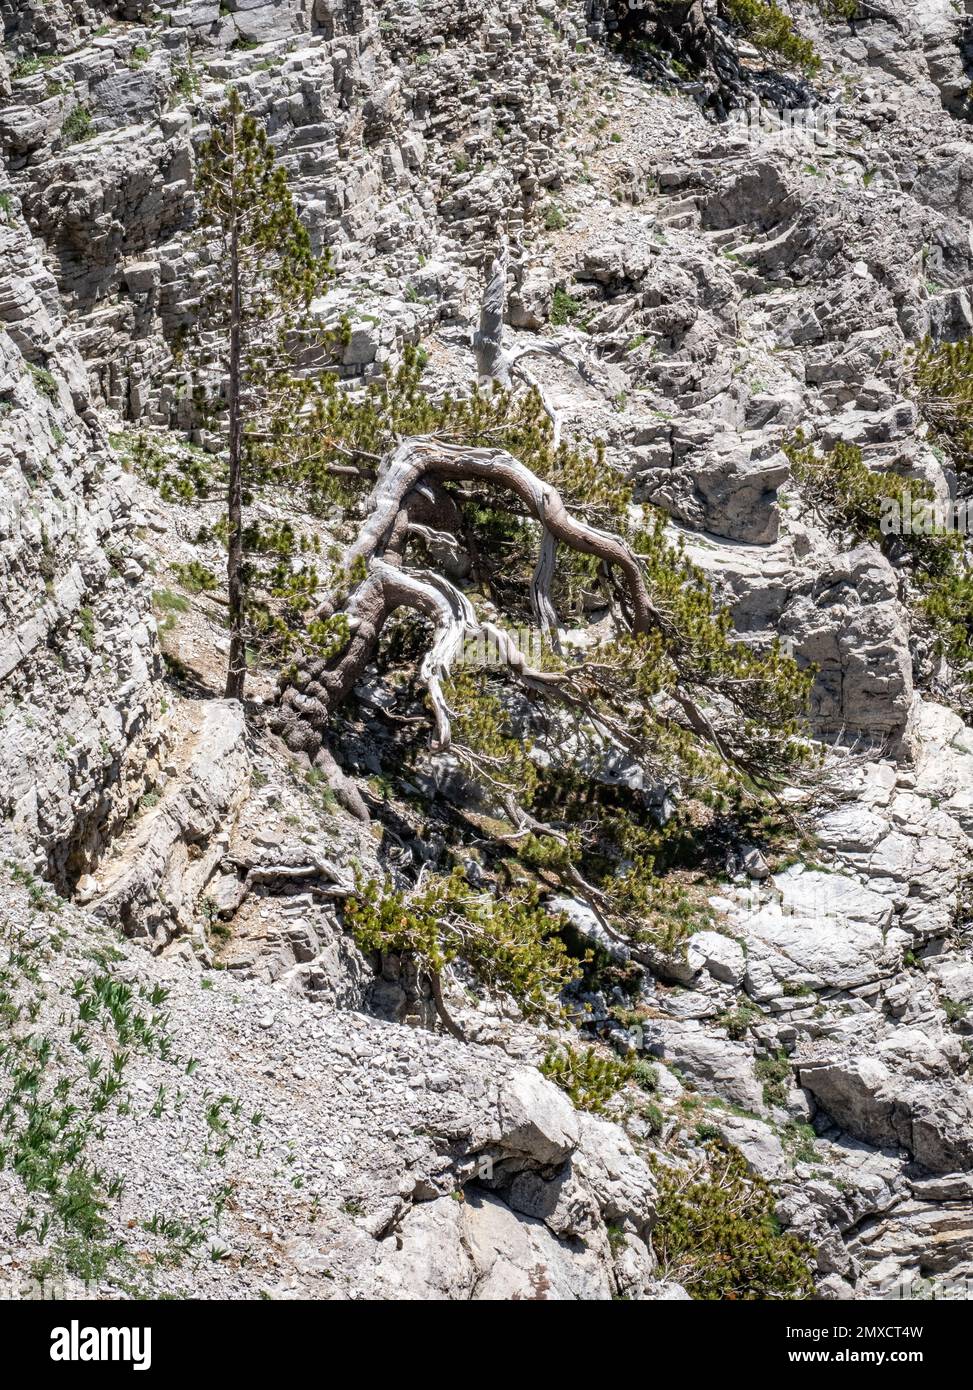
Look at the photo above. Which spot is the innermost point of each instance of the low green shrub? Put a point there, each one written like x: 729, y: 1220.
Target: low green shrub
x: 564, y: 309
x: 588, y: 1077
x: 852, y: 501
x: 768, y: 28
x: 77, y: 126
x: 718, y: 1236
x: 45, y: 382
x: 511, y: 944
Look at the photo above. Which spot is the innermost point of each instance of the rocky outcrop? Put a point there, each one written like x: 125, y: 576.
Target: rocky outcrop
x: 931, y: 1122
x: 409, y: 134
x: 78, y: 661
x: 152, y: 885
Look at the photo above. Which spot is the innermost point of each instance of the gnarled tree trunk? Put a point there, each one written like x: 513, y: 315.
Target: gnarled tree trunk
x: 399, y: 504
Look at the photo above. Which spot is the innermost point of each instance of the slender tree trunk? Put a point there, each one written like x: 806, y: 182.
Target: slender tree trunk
x: 237, y: 669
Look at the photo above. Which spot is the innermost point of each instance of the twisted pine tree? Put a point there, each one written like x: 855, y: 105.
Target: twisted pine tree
x: 475, y: 484
x: 467, y: 525
x: 717, y: 1233
x: 254, y: 331
x: 454, y: 520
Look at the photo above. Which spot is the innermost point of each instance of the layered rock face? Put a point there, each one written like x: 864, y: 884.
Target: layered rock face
x: 77, y: 657
x: 721, y: 285
x: 397, y: 125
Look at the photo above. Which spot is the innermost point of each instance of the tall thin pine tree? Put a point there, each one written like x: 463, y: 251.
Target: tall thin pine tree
x: 257, y: 309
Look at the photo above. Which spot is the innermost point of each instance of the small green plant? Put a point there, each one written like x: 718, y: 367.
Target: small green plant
x: 195, y: 577
x: 653, y: 1118
x: 776, y: 1074
x: 28, y: 67
x: 185, y: 81
x: 645, y: 1075
x: 737, y: 1021
x: 86, y: 629
x: 321, y: 792
x: 554, y: 218
x: 564, y: 309
x: 955, y: 1011
x: 799, y: 1140
x: 165, y: 601
x: 77, y: 126
x: 588, y: 1077
x: 44, y: 382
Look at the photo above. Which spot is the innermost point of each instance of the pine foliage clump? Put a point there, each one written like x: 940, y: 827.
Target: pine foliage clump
x: 943, y: 382
x: 180, y: 475
x: 717, y: 1234
x: 588, y: 1077
x: 510, y: 944
x: 852, y: 501
x: 771, y: 30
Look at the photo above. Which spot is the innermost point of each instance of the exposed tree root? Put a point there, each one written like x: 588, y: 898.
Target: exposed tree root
x: 401, y: 493
x: 327, y: 880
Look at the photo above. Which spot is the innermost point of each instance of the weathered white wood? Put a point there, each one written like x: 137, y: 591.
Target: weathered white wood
x: 492, y: 363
